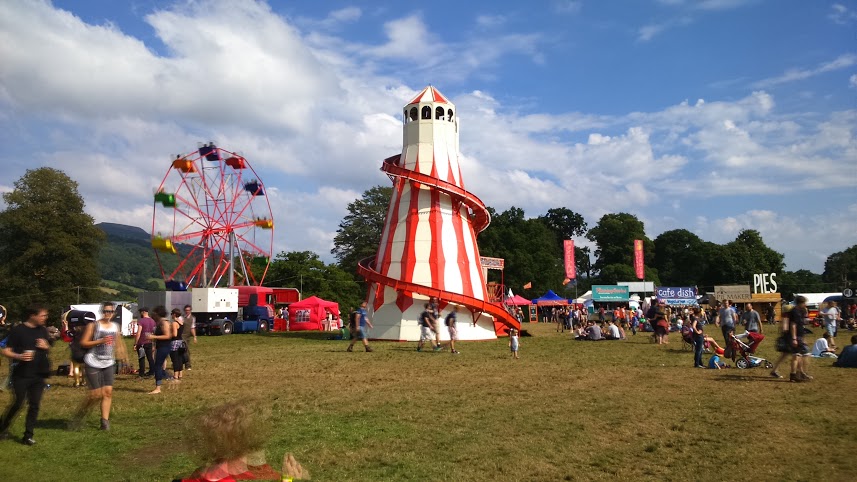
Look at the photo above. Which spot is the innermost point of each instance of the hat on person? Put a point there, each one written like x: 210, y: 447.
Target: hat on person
x: 719, y: 351
x: 143, y: 310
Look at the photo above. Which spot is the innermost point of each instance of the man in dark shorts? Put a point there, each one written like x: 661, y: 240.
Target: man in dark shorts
x: 28, y: 345
x: 800, y: 351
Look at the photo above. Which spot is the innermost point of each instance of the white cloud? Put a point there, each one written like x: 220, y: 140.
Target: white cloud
x: 490, y: 21
x: 842, y: 15
x: 807, y: 241
x: 852, y: 81
x: 650, y: 31
x: 841, y: 62
x: 568, y: 6
x: 314, y: 117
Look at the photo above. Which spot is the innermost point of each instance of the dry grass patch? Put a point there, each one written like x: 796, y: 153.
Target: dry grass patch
x: 565, y: 411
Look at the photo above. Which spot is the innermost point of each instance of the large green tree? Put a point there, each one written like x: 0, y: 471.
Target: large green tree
x: 680, y: 258
x: 840, y: 269
x: 304, y: 270
x: 790, y: 283
x: 359, y: 233
x: 48, y: 244
x: 529, y: 248
x: 614, y: 237
x: 567, y: 224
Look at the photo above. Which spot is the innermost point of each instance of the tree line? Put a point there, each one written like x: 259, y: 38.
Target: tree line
x: 52, y: 252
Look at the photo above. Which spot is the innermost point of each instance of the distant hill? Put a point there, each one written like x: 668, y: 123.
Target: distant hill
x: 124, y: 231
x: 127, y: 257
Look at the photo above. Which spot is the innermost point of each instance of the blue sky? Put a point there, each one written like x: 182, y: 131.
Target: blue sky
x: 712, y: 115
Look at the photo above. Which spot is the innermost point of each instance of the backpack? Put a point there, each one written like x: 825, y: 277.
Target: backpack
x: 651, y: 313
x: 353, y: 320
x: 77, y: 351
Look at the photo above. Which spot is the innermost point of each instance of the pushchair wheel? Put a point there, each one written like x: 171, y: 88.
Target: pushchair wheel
x: 768, y: 364
x: 742, y: 363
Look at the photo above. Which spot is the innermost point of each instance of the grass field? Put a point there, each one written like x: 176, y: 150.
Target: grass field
x: 565, y: 411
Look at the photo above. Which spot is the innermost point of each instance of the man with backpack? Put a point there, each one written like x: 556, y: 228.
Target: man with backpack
x: 359, y: 325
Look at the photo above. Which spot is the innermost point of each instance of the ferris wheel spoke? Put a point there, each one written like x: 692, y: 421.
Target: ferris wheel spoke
x: 215, y: 223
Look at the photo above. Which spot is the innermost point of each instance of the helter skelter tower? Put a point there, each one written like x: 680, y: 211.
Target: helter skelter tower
x: 428, y: 246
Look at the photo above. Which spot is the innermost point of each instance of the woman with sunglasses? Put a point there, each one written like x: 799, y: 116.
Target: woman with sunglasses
x: 104, y: 342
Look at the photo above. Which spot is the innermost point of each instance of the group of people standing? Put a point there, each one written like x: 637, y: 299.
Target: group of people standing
x: 95, y: 349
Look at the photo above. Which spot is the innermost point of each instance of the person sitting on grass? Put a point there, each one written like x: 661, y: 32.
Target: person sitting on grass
x: 593, y: 332
x: 612, y: 331
x: 823, y: 347
x: 579, y: 331
x: 715, y: 362
x: 848, y: 357
x: 230, y: 442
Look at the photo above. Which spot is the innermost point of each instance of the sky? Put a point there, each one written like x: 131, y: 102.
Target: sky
x: 710, y: 115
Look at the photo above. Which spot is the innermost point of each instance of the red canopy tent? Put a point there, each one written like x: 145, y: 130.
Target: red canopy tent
x: 518, y: 300
x: 310, y: 313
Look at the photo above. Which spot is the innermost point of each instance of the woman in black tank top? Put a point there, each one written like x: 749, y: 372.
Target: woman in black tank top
x: 177, y: 347
x: 163, y: 336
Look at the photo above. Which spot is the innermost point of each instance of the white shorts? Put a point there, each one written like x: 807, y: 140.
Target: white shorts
x: 453, y: 333
x: 426, y: 333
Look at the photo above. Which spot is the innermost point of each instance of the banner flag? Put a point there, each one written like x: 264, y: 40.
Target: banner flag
x: 528, y: 285
x: 638, y: 259
x: 568, y: 246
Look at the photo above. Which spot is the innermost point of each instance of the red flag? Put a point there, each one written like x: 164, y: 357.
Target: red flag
x: 568, y: 245
x: 528, y: 285
x: 638, y: 259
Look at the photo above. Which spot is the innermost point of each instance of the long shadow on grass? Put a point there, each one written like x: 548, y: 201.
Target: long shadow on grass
x: 745, y: 378
x: 53, y: 424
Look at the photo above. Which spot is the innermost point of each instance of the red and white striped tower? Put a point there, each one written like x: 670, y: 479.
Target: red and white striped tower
x: 428, y: 246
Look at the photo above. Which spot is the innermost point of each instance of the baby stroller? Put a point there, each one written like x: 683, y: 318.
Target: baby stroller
x: 743, y: 353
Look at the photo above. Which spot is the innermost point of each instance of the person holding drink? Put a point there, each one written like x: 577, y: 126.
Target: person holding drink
x: 104, y: 342
x: 27, y: 346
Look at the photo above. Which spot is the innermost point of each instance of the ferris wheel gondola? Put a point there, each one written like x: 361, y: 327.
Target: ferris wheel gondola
x: 212, y: 223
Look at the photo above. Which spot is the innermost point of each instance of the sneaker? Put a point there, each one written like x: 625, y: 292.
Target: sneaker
x: 419, y: 348
x: 793, y: 377
x: 350, y: 348
x: 805, y: 377
x: 105, y: 424
x: 438, y: 348
x: 28, y: 441
x: 775, y: 374
x: 368, y: 349
x: 456, y: 352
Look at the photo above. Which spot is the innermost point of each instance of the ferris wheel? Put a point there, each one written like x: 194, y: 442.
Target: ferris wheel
x: 212, y: 223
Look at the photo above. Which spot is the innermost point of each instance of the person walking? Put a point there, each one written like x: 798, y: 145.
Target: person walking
x: 427, y: 329
x: 363, y: 325
x: 188, y: 333
x: 751, y: 319
x: 103, y: 339
x: 143, y: 343
x: 28, y: 345
x: 162, y: 337
x: 698, y: 338
x: 453, y: 330
x: 726, y: 318
x: 800, y: 352
x: 832, y: 315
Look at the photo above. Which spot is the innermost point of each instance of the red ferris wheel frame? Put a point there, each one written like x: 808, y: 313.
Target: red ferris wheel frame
x: 214, y: 219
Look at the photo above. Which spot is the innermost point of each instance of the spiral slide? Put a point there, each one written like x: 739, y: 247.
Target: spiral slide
x: 365, y: 268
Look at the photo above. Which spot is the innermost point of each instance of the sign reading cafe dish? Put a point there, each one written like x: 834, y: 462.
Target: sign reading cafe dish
x: 685, y: 295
